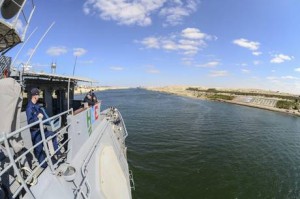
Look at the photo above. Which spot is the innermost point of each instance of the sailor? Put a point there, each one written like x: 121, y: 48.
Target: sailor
x: 90, y: 98
x: 33, y: 114
x: 94, y: 97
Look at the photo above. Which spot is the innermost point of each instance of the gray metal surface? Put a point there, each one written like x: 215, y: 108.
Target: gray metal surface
x: 49, y: 76
x: 86, y: 133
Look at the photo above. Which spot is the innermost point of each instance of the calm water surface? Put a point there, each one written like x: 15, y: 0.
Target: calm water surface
x: 186, y: 148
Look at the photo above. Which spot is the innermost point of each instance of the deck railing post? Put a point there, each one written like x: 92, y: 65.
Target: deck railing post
x: 49, y: 161
x: 12, y: 162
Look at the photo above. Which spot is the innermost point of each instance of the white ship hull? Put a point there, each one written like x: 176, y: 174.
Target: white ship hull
x: 95, y: 150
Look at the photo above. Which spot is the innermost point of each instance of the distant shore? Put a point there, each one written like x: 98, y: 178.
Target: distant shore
x: 181, y: 91
x: 84, y: 90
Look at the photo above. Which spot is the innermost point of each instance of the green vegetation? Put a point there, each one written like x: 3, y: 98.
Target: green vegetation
x: 213, y: 90
x: 220, y: 96
x: 288, y: 104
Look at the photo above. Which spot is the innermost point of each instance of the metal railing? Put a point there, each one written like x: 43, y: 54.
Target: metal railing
x: 122, y: 153
x: 84, y: 171
x: 4, y: 139
x: 125, y: 134
x: 84, y: 182
x: 123, y: 124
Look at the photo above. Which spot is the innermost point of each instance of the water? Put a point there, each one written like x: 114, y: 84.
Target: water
x: 186, y: 148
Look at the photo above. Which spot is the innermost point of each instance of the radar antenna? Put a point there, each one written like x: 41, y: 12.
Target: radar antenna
x: 10, y: 8
x: 10, y: 33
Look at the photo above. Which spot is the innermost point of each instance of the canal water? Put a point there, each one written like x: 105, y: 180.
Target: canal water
x: 187, y: 148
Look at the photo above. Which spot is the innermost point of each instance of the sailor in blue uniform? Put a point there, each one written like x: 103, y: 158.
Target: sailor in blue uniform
x: 33, y: 114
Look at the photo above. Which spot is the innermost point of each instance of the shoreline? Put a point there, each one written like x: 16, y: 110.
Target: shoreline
x: 84, y: 90
x: 184, y: 93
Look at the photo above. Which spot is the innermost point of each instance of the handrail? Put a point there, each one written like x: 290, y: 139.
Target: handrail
x: 48, y: 157
x: 123, y: 124
x: 34, y: 123
x: 82, y: 189
x: 13, y: 161
x: 130, y: 174
x: 121, y: 154
x: 85, y: 163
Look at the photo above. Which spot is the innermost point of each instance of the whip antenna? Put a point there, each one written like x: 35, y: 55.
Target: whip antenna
x: 39, y: 43
x: 23, y: 46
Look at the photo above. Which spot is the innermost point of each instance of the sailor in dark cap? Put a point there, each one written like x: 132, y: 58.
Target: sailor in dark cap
x: 90, y: 98
x: 33, y: 113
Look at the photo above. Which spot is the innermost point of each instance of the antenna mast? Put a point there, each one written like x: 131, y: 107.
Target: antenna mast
x: 39, y: 43
x: 74, y: 65
x: 23, y: 46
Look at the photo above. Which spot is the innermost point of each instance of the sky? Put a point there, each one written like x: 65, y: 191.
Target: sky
x: 211, y: 43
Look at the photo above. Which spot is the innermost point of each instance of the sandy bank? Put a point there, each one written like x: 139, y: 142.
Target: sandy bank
x: 181, y: 91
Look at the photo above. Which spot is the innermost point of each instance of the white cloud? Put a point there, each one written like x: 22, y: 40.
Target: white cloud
x: 150, y: 42
x: 153, y: 71
x: 256, y: 53
x: 169, y: 45
x: 256, y: 62
x: 86, y: 61
x: 124, y: 12
x: 26, y: 67
x: 187, y: 60
x: 29, y: 52
x: 20, y: 27
x: 280, y: 58
x: 40, y: 65
x: 273, y: 71
x: 139, y: 12
x: 245, y: 71
x: 242, y: 64
x: 194, y: 33
x: 211, y: 64
x: 289, y: 77
x: 218, y: 73
x: 79, y: 51
x: 271, y: 78
x: 297, y: 69
x: 188, y: 42
x: 86, y: 9
x: 57, y: 50
x: 116, y: 68
x: 284, y: 85
x: 251, y: 45
x: 175, y: 13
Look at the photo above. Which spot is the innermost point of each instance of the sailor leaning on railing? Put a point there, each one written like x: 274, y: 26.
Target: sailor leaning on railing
x: 33, y: 113
x: 90, y: 98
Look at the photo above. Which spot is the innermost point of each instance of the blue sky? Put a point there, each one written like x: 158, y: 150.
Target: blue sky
x: 213, y: 43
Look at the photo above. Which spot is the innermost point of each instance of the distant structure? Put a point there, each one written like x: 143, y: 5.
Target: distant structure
x: 53, y: 68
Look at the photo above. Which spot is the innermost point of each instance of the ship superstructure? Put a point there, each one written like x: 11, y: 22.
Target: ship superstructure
x: 93, y: 160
